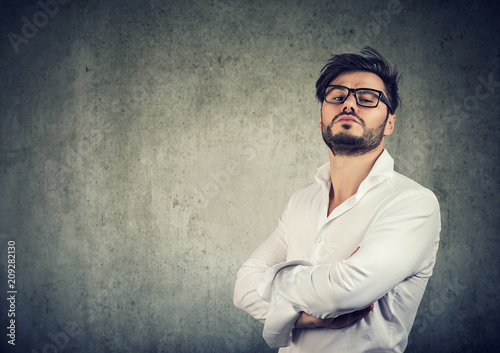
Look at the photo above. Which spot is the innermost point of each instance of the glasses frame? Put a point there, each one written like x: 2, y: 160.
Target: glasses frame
x: 381, y: 96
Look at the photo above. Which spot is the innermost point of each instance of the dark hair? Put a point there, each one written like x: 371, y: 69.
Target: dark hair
x: 372, y: 62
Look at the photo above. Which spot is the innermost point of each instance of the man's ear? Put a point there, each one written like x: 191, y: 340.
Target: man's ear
x: 389, y: 127
x: 321, y: 117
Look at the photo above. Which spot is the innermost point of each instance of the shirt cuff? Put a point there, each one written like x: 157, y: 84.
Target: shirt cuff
x: 282, y: 315
x: 279, y: 324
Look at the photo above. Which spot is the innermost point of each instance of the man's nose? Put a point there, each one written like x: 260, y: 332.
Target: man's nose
x: 349, y: 103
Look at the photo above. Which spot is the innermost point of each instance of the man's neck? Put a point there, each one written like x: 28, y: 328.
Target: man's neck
x: 347, y: 173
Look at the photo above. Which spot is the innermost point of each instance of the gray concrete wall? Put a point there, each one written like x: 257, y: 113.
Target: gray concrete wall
x: 148, y: 147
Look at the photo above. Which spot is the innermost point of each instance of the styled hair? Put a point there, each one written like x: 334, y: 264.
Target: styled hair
x: 372, y: 62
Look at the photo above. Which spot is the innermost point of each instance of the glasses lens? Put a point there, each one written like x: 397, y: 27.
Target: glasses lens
x: 336, y: 95
x: 367, y: 98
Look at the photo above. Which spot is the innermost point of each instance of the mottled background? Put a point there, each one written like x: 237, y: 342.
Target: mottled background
x: 147, y: 147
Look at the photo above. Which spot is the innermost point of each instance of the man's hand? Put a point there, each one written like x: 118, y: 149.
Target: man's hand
x: 308, y: 321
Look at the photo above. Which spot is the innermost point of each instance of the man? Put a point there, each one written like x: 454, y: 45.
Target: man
x: 349, y: 261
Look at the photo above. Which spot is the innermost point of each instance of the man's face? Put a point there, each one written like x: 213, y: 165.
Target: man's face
x: 352, y: 130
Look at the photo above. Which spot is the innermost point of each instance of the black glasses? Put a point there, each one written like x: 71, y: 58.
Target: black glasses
x: 365, y: 97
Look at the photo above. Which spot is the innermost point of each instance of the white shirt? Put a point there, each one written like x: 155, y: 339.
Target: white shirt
x: 306, y: 264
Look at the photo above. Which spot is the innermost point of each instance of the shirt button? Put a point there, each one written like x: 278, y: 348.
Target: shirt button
x: 319, y: 239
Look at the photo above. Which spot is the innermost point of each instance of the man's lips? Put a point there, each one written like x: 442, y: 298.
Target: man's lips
x: 348, y: 119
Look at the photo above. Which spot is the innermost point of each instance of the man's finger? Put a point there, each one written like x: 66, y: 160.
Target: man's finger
x: 368, y: 309
x: 362, y: 313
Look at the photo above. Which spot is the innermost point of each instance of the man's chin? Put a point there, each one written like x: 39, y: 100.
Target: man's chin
x: 347, y: 130
x: 346, y: 139
x: 346, y: 126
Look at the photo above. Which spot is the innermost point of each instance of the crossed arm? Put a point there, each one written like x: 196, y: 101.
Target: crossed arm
x: 309, y: 321
x: 335, y: 295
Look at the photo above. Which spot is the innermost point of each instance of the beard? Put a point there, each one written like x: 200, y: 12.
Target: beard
x: 346, y: 144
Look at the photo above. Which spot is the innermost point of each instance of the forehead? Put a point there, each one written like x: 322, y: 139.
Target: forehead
x: 359, y: 79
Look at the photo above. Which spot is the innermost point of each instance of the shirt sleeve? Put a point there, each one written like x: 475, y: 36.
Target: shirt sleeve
x: 271, y: 252
x: 401, y: 243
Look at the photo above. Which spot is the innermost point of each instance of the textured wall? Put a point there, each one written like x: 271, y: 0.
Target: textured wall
x: 148, y: 147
